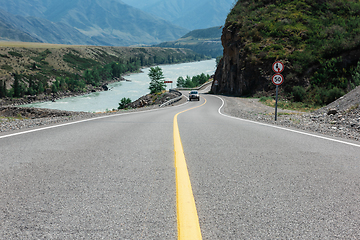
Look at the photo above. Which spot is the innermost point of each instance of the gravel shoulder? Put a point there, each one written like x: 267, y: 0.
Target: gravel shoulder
x: 343, y: 122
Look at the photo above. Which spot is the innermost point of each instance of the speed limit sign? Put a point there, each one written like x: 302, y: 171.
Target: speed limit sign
x: 277, y: 79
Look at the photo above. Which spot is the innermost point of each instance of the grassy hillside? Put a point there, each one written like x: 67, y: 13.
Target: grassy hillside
x: 204, y: 41
x: 319, y: 42
x: 35, y: 68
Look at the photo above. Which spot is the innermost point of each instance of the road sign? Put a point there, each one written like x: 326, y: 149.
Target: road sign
x: 168, y: 82
x: 216, y: 82
x: 278, y: 67
x: 277, y: 79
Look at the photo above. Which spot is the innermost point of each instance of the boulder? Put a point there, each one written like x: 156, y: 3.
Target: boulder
x: 332, y: 111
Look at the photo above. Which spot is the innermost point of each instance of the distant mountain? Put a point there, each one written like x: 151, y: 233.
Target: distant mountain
x: 190, y: 14
x: 32, y: 29
x: 203, y: 41
x: 9, y: 33
x: 107, y: 22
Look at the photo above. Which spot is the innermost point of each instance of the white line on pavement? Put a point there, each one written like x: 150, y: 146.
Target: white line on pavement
x: 286, y: 129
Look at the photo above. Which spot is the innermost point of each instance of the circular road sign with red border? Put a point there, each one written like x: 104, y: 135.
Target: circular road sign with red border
x: 277, y: 79
x: 278, y: 67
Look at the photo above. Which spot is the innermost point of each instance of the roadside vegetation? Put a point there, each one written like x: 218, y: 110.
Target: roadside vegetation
x: 317, y: 40
x: 124, y: 102
x: 290, y: 105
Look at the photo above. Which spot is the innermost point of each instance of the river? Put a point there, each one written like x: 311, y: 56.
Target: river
x: 133, y: 89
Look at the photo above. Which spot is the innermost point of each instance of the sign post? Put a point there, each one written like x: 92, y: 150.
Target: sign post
x: 216, y: 85
x: 169, y: 82
x: 277, y: 79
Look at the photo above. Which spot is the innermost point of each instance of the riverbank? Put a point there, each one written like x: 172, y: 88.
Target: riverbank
x: 16, y: 118
x: 52, y: 97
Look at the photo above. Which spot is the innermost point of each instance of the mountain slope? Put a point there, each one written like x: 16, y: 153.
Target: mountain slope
x: 190, y: 14
x: 318, y: 41
x: 9, y: 33
x: 109, y: 22
x: 41, y: 30
x: 204, y: 41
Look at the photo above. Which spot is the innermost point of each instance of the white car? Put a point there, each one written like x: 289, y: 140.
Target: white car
x: 194, y: 95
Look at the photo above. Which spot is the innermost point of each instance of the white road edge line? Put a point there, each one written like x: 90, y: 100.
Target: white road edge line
x: 80, y: 121
x: 286, y: 129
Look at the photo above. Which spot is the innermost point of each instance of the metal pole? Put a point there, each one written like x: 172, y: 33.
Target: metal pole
x: 277, y: 89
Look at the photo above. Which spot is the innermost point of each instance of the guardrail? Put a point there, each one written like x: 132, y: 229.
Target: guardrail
x: 174, y: 100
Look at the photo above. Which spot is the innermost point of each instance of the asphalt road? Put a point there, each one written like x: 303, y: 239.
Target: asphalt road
x: 114, y: 178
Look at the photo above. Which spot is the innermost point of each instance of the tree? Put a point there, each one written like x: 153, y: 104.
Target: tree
x: 188, y: 82
x: 1, y: 90
x: 157, y: 84
x: 16, y: 86
x: 123, y: 102
x: 180, y: 82
x: 4, y: 89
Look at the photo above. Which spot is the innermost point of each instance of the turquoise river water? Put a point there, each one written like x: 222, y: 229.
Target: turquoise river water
x: 108, y: 100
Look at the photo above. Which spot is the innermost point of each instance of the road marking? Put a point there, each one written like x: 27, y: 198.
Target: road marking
x: 187, y: 217
x: 286, y: 129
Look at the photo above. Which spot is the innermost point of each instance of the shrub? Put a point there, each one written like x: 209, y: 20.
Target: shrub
x: 7, y: 67
x: 16, y: 54
x: 123, y: 102
x: 298, y: 93
x: 326, y: 96
x: 356, y: 75
x: 334, y: 94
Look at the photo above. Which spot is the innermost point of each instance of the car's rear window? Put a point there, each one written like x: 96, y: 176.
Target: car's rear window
x: 193, y: 92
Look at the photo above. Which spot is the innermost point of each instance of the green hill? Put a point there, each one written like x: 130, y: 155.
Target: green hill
x: 33, y: 69
x: 203, y: 41
x: 318, y: 41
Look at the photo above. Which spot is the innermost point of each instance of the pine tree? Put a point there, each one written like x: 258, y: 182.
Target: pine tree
x: 1, y: 89
x: 4, y: 89
x: 16, y: 86
x: 157, y: 80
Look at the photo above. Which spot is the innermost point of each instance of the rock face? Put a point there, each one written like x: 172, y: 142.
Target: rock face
x: 254, y: 37
x: 236, y: 74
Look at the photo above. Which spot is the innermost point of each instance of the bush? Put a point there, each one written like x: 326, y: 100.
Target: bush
x: 326, y: 96
x: 298, y: 93
x: 123, y: 102
x: 334, y: 94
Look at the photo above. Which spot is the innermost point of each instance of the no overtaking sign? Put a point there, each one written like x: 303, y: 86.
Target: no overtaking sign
x: 278, y: 67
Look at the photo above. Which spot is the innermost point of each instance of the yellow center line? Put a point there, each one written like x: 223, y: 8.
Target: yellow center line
x: 187, y: 217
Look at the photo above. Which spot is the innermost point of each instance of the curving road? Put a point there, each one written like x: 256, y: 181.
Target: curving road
x: 114, y: 178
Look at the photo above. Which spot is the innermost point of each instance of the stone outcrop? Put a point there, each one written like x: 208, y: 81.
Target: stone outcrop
x: 153, y: 99
x: 236, y: 73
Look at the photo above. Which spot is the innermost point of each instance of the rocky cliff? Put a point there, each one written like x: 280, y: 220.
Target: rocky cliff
x: 236, y: 73
x: 316, y: 41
